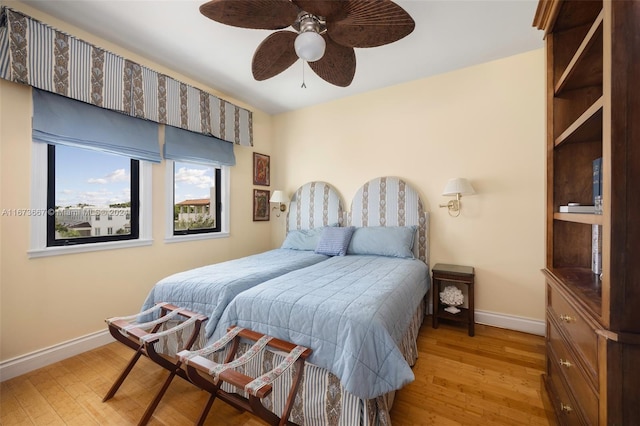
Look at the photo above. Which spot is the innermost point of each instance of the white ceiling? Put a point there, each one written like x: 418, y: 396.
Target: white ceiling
x: 449, y: 35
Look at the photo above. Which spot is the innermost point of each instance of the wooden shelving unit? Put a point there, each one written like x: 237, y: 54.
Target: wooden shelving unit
x: 593, y: 110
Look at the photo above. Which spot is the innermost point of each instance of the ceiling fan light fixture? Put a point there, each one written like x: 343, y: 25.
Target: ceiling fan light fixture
x: 310, y: 46
x: 326, y: 32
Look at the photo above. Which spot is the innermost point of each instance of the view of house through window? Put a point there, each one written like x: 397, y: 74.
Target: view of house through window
x: 196, y: 198
x: 93, y: 196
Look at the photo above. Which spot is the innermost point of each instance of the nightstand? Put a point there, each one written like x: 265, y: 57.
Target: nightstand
x: 444, y: 274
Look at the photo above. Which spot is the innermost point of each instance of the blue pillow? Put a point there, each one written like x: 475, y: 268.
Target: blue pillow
x: 334, y: 241
x: 390, y: 241
x: 302, y: 239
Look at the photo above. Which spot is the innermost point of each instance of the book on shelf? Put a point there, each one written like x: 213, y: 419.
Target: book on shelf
x: 597, y: 178
x: 596, y: 249
x: 596, y: 230
x: 597, y: 185
x: 577, y: 209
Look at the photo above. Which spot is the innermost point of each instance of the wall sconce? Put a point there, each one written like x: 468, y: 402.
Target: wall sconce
x: 457, y: 187
x: 281, y: 199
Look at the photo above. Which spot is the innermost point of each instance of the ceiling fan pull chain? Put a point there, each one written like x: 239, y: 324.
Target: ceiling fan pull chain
x: 304, y: 86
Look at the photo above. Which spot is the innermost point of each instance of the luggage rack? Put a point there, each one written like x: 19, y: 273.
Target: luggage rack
x: 210, y: 375
x: 142, y: 338
x: 195, y: 367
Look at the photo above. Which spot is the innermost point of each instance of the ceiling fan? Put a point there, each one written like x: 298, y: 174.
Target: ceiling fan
x: 326, y: 31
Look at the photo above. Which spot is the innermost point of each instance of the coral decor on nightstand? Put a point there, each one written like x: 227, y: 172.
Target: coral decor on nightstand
x: 452, y: 296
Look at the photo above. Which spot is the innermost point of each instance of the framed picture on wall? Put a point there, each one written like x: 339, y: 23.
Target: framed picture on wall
x: 260, y: 204
x: 261, y: 169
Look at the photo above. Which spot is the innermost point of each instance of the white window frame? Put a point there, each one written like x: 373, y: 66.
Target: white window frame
x: 38, y: 240
x: 225, y: 176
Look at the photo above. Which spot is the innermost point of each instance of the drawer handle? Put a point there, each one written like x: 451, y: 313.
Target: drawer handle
x: 565, y: 363
x: 566, y: 408
x: 567, y: 318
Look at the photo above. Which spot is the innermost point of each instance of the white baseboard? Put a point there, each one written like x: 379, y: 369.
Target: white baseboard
x: 510, y: 322
x: 43, y: 357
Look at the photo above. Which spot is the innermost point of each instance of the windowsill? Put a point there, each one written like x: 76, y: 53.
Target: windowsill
x: 195, y: 237
x: 86, y: 248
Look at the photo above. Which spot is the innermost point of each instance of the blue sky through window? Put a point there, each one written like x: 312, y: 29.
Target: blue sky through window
x: 85, y: 176
x: 192, y: 181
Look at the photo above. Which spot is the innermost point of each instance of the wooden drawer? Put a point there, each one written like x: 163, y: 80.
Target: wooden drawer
x: 565, y: 406
x: 580, y: 386
x: 582, y: 336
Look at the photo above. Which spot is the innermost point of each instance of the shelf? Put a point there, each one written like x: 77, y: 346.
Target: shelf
x: 591, y: 219
x: 573, y: 14
x: 582, y: 283
x: 593, y: 111
x: 585, y: 68
x: 587, y: 127
x: 572, y: 244
x: 461, y: 317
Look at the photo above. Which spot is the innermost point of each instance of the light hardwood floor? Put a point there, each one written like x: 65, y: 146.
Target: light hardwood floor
x: 490, y: 379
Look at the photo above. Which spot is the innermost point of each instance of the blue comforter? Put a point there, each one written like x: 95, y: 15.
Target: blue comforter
x: 209, y: 289
x: 351, y: 310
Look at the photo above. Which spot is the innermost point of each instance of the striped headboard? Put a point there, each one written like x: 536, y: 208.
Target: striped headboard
x: 390, y: 201
x: 313, y: 205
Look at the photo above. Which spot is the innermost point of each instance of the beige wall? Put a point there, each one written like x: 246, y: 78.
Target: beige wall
x: 46, y: 301
x: 485, y: 123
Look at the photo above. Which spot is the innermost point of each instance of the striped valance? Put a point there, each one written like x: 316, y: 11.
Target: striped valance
x: 36, y: 54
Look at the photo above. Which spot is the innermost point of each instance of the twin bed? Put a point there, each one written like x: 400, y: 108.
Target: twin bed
x: 360, y: 312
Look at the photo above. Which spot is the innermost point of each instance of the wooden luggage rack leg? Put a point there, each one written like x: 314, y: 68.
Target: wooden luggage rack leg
x: 209, y: 375
x: 141, y: 337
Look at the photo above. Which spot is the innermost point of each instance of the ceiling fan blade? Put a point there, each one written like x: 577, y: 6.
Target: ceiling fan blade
x: 370, y: 24
x: 330, y: 9
x: 337, y: 66
x: 256, y: 14
x: 274, y: 55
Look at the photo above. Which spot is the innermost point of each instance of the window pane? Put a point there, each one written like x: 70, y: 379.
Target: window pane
x: 92, y: 194
x: 194, y: 198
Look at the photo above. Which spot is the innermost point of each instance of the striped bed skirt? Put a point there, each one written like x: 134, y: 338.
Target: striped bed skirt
x: 321, y: 400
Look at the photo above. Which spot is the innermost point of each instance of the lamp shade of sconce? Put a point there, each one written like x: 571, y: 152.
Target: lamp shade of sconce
x: 456, y: 187
x: 281, y: 199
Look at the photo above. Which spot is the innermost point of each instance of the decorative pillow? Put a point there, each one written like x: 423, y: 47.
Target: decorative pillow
x: 334, y: 241
x: 302, y: 239
x: 391, y: 241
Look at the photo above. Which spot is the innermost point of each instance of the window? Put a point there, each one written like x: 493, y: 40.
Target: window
x: 82, y: 186
x: 77, y: 144
x: 197, y: 185
x: 196, y: 195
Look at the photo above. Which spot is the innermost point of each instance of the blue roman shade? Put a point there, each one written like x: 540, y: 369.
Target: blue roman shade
x: 64, y: 121
x: 183, y: 145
